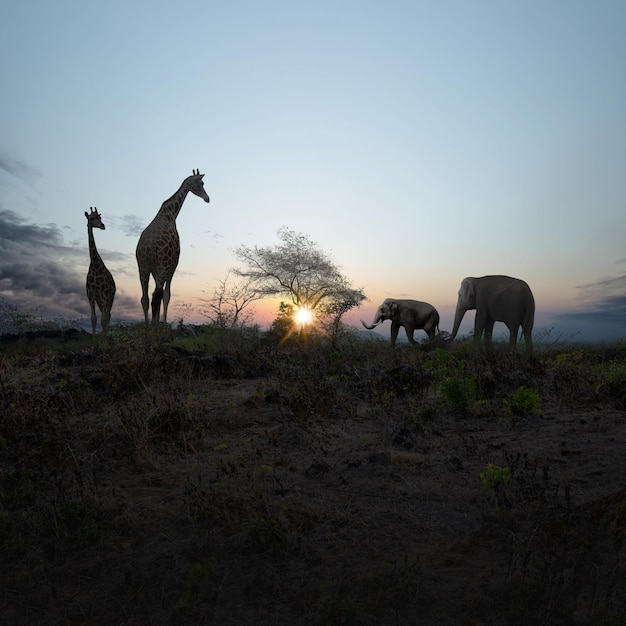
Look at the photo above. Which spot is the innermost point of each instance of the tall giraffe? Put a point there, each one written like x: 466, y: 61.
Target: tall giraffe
x: 158, y: 249
x: 100, y: 284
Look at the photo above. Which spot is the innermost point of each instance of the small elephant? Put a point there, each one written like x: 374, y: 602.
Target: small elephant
x: 411, y: 314
x: 497, y: 299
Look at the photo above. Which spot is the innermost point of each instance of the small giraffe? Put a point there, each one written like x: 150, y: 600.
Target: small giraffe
x: 158, y: 249
x: 100, y: 283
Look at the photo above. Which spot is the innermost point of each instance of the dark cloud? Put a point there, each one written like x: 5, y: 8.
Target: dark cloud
x: 602, y: 315
x: 33, y: 272
x: 41, y: 275
x: 608, y: 285
x: 14, y: 229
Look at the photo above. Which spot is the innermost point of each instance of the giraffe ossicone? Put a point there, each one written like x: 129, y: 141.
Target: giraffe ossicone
x: 100, y: 285
x: 158, y: 249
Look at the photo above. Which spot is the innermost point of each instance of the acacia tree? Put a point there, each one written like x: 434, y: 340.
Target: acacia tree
x: 299, y: 270
x: 331, y: 312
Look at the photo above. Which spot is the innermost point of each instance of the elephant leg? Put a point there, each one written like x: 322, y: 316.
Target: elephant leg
x: 409, y: 333
x: 479, y: 326
x: 430, y: 331
x: 513, y: 339
x: 394, y: 332
x: 528, y: 339
x: 489, y: 335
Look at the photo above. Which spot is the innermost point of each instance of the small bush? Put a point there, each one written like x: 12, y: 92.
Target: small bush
x: 459, y: 391
x: 494, y: 480
x: 524, y: 401
x: 455, y: 386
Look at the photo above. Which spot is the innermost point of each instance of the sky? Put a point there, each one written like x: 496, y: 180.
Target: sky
x: 416, y: 142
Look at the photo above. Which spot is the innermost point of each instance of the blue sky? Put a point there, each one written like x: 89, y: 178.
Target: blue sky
x: 417, y: 142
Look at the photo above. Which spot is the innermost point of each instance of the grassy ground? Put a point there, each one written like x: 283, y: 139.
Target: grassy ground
x: 155, y: 477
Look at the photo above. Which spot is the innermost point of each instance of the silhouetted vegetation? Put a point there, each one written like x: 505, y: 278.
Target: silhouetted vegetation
x: 212, y: 475
x: 300, y: 271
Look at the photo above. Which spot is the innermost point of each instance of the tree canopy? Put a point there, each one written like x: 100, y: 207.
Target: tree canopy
x: 299, y: 270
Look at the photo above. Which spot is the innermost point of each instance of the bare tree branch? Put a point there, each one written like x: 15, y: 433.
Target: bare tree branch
x: 226, y: 306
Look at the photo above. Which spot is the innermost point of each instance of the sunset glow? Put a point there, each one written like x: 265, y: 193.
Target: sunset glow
x: 419, y: 134
x: 303, y: 316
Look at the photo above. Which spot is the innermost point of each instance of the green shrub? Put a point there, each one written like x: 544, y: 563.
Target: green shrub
x: 610, y: 380
x: 458, y: 390
x: 495, y: 477
x: 524, y: 401
x: 494, y: 481
x: 455, y: 386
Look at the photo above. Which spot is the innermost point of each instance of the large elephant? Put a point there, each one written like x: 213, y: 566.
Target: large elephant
x: 411, y: 314
x: 497, y: 299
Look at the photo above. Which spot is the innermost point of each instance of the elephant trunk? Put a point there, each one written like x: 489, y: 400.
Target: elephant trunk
x: 377, y: 320
x: 458, y: 318
x: 370, y: 327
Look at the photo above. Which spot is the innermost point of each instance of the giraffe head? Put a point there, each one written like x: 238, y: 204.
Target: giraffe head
x: 94, y: 219
x: 196, y: 186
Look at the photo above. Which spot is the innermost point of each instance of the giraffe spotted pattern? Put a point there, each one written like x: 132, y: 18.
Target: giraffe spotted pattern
x: 100, y: 284
x: 158, y: 249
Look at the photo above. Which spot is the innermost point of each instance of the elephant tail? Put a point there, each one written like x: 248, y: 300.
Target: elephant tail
x: 370, y: 327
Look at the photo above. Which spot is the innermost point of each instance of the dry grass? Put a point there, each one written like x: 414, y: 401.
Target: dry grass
x: 156, y: 478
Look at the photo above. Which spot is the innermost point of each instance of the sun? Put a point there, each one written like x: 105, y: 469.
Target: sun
x: 303, y: 316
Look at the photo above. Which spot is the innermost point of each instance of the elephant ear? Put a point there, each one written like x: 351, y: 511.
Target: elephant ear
x: 468, y: 293
x: 393, y: 307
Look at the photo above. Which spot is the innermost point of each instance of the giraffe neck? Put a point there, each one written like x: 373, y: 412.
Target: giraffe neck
x: 171, y: 207
x: 94, y: 257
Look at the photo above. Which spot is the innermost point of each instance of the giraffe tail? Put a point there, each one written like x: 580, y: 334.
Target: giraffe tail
x: 157, y: 297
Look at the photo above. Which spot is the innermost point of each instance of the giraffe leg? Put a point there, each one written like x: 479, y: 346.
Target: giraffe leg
x: 107, y: 305
x: 166, y: 300
x: 157, y: 298
x: 106, y: 318
x: 94, y: 319
x: 106, y: 315
x: 145, y: 300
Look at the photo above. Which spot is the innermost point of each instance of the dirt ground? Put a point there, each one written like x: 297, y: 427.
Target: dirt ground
x: 208, y: 496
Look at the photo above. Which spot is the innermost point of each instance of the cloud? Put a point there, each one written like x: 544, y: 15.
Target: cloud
x: 603, y: 314
x: 606, y: 298
x: 20, y: 170
x: 32, y: 270
x: 40, y: 274
x: 13, y: 228
x: 130, y: 225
